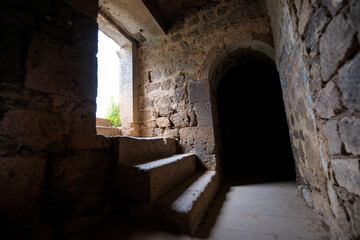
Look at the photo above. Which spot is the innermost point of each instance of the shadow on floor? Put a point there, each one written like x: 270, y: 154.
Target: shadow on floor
x: 231, y: 179
x: 116, y: 229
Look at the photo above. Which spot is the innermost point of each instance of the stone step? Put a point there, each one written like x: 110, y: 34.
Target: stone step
x: 102, y: 122
x: 147, y: 181
x: 183, y: 208
x: 132, y: 150
x: 108, y: 131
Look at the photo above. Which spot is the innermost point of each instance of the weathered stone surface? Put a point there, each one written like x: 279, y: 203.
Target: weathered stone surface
x: 349, y: 128
x: 204, y: 114
x: 334, y: 44
x: 163, y: 122
x: 333, y: 137
x: 21, y: 181
x: 193, y: 118
x: 304, y: 16
x: 146, y: 115
x: 199, y: 91
x: 315, y: 27
x: 80, y: 174
x: 347, y: 174
x: 163, y: 105
x: 152, y: 87
x: 171, y: 133
x: 102, y: 122
x: 180, y: 120
x: 180, y: 95
x: 35, y: 130
x: 327, y: 102
x: 222, y: 10
x: 82, y: 129
x: 108, y: 131
x: 349, y: 83
x: 184, y: 206
x: 333, y: 5
x: 127, y: 149
x: 65, y: 72
x: 145, y: 182
x: 355, y: 14
x: 168, y: 85
x: 198, y: 139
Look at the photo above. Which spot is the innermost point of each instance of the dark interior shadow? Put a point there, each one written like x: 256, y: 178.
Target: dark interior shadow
x: 254, y: 131
x: 255, y: 139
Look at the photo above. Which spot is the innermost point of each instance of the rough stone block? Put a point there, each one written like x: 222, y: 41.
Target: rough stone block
x: 35, y: 130
x: 102, y: 122
x: 64, y: 71
x: 332, y: 5
x: 146, y: 115
x: 150, y: 87
x: 171, y: 133
x: 21, y: 181
x: 108, y: 131
x: 349, y: 128
x: 193, y: 118
x: 304, y: 16
x: 349, y: 83
x: 347, y: 174
x: 334, y: 44
x: 183, y: 208
x: 82, y: 126
x: 333, y: 137
x: 199, y: 91
x: 145, y: 182
x: 163, y: 105
x: 198, y: 139
x: 327, y: 101
x: 204, y: 114
x: 167, y: 85
x: 315, y: 27
x: 180, y: 120
x: 131, y: 150
x: 163, y: 122
x: 180, y: 95
x: 355, y: 14
x: 82, y: 172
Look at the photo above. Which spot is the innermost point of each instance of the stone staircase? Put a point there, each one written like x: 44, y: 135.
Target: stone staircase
x: 105, y: 128
x: 165, y: 187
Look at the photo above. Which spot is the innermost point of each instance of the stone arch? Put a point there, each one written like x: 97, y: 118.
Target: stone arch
x: 227, y: 58
x: 238, y: 53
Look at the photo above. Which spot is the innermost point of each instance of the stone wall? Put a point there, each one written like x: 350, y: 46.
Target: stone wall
x: 53, y: 168
x: 317, y: 53
x: 174, y: 71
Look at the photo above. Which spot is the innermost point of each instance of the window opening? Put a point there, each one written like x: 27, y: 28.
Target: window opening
x: 107, y: 100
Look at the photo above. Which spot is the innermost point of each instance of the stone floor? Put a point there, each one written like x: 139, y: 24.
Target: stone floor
x: 242, y: 211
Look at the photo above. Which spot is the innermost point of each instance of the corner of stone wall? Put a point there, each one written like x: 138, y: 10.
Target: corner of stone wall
x: 54, y: 169
x: 317, y: 49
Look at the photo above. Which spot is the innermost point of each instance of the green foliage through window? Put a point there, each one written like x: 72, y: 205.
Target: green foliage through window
x: 113, y: 113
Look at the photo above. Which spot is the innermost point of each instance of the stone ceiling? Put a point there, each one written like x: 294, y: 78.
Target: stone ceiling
x: 144, y: 19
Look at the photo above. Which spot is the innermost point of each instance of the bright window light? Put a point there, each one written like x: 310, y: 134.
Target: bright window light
x: 108, y: 74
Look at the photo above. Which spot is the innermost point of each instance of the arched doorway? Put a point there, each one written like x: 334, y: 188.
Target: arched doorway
x: 254, y: 135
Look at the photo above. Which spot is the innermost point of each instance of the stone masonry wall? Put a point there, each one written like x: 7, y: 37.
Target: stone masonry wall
x: 175, y: 95
x: 53, y: 168
x: 318, y: 58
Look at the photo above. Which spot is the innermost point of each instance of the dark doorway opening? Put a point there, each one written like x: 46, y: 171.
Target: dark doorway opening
x: 254, y: 132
